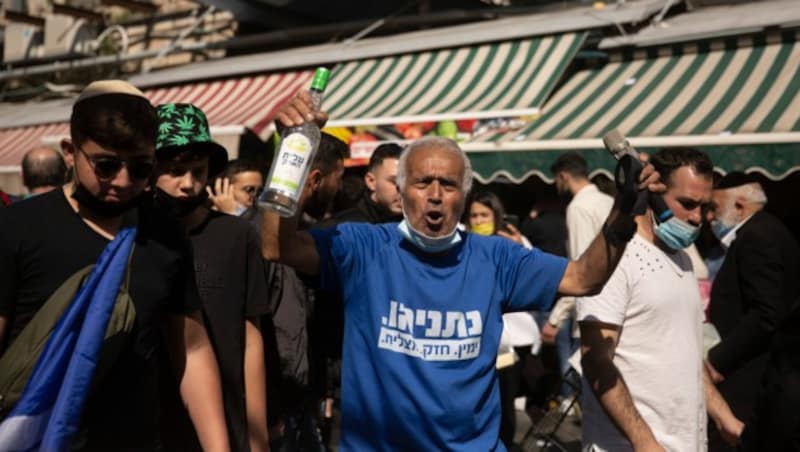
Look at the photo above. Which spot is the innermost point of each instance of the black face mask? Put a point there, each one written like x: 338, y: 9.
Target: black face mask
x: 102, y: 208
x: 179, y: 207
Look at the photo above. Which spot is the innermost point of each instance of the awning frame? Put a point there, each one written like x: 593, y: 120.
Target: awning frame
x: 597, y: 143
x: 492, y: 80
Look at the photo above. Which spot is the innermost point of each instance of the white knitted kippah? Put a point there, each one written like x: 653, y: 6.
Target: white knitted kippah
x: 102, y: 87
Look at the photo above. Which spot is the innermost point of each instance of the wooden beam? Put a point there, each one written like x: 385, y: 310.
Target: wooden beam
x: 78, y: 13
x: 13, y: 16
x: 133, y: 5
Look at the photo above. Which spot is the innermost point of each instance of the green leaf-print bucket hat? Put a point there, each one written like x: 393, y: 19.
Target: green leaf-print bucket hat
x: 184, y: 127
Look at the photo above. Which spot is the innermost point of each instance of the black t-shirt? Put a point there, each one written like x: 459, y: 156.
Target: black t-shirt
x: 283, y: 328
x: 230, y: 278
x: 42, y: 243
x: 285, y: 332
x: 548, y: 232
x: 365, y: 211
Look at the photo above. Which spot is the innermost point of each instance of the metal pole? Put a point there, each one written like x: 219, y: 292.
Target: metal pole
x: 657, y: 20
x: 94, y: 61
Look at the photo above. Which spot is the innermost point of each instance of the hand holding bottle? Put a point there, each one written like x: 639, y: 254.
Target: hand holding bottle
x: 298, y: 111
x: 300, y: 139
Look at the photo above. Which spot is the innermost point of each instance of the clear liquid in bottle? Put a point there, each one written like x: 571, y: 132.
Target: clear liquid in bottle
x: 291, y: 165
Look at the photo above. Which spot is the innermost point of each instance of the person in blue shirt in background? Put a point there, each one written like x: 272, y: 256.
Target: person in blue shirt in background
x: 424, y: 301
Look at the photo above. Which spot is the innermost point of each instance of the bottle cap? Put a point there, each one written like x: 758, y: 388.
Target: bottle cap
x: 320, y: 80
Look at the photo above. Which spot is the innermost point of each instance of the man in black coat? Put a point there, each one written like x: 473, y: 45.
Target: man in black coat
x: 754, y: 295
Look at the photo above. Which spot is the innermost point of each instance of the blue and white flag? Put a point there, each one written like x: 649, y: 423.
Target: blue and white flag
x: 49, y: 410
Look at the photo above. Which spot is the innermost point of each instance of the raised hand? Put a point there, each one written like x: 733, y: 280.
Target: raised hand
x: 649, y: 179
x: 221, y: 197
x: 511, y: 233
x: 298, y: 111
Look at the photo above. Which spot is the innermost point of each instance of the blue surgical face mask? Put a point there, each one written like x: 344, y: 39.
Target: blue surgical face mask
x: 677, y: 234
x: 426, y: 243
x: 721, y: 228
x: 240, y: 210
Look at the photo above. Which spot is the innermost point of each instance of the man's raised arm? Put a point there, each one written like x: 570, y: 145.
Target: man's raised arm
x: 282, y: 242
x: 280, y: 239
x: 587, y: 275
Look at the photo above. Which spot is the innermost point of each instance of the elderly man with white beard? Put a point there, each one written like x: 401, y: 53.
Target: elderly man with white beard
x: 755, y: 303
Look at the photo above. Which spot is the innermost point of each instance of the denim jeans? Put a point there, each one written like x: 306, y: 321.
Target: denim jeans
x: 566, y: 345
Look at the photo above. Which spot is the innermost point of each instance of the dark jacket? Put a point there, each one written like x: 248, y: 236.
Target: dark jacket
x: 754, y: 293
x: 365, y: 211
x: 548, y: 232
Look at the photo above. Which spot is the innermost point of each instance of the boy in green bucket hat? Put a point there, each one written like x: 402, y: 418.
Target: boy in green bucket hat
x: 230, y: 274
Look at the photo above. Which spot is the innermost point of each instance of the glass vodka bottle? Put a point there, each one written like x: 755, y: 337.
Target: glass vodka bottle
x: 292, y: 164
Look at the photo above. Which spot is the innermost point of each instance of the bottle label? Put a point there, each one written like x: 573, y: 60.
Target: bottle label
x: 291, y: 163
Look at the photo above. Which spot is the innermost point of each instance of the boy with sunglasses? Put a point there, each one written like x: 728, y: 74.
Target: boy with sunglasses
x: 46, y: 239
x: 230, y: 275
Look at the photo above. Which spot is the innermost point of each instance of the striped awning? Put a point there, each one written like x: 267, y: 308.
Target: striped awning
x: 251, y: 102
x: 738, y: 99
x: 15, y: 142
x: 246, y: 102
x: 721, y: 89
x: 775, y: 161
x: 510, y: 78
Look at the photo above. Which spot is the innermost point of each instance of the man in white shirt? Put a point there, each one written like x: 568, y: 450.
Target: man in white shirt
x: 589, y: 206
x: 645, y: 386
x: 585, y: 215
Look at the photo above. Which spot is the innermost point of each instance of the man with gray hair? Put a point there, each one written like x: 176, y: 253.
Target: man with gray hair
x: 754, y: 293
x: 424, y: 301
x: 43, y: 169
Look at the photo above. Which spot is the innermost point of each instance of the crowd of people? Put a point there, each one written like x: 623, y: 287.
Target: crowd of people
x: 417, y: 318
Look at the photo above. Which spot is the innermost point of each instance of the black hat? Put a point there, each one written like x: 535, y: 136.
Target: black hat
x: 735, y: 179
x: 185, y: 125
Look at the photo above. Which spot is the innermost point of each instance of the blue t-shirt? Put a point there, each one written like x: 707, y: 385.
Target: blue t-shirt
x: 422, y: 331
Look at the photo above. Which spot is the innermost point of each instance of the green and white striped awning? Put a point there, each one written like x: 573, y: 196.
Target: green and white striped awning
x: 734, y: 95
x: 511, y: 78
x: 775, y: 161
x: 715, y: 90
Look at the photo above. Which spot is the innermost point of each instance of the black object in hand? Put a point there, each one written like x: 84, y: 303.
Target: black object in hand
x: 511, y: 219
x: 626, y: 177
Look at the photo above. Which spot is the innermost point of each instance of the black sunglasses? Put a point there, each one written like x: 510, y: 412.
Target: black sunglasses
x: 106, y: 167
x: 252, y: 189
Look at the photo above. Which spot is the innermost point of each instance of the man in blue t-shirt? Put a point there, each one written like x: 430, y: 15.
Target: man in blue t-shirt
x: 424, y: 301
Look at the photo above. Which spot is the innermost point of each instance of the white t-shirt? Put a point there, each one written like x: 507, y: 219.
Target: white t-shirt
x: 586, y: 214
x: 520, y: 329
x: 655, y: 298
